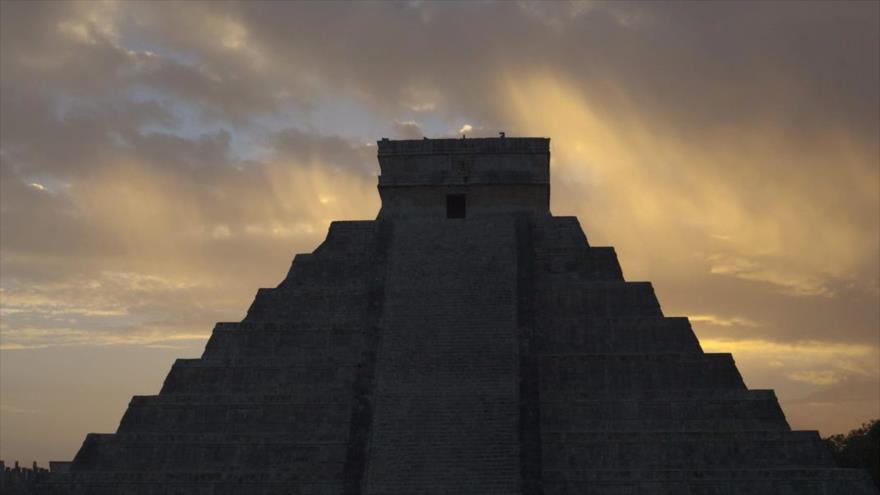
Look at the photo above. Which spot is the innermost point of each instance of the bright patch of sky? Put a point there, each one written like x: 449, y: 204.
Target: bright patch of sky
x: 45, y: 183
x: 191, y: 123
x: 334, y: 112
x: 343, y: 114
x: 159, y: 49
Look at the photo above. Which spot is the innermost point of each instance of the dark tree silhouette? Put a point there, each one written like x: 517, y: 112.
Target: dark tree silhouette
x: 860, y: 448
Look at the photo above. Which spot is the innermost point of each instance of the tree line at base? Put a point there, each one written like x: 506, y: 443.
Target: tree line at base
x: 860, y: 448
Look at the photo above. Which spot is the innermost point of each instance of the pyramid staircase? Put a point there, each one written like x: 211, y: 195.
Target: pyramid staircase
x: 494, y: 354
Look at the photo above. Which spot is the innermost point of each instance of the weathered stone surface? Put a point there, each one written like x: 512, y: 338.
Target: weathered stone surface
x: 446, y: 405
x: 495, y: 353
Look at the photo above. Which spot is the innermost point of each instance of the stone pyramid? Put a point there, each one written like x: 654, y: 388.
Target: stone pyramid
x: 464, y: 342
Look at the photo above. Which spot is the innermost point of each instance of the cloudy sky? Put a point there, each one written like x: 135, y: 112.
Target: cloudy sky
x: 159, y: 162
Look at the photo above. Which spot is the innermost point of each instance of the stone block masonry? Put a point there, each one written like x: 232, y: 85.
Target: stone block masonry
x: 446, y: 387
x: 496, y: 352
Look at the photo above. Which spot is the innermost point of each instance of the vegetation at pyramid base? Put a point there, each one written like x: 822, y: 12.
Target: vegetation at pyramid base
x: 860, y: 448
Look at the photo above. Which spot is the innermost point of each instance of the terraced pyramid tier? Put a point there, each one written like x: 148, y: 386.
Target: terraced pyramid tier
x: 466, y: 341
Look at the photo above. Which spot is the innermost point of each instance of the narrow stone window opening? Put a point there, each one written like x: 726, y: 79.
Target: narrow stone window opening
x: 455, y: 205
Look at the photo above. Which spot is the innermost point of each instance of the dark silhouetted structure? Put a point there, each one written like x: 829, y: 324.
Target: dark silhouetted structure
x: 464, y: 342
x: 19, y: 480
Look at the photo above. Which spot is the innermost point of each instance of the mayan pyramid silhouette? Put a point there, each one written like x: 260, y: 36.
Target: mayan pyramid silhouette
x: 465, y: 341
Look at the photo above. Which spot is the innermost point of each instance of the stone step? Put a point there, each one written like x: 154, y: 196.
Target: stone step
x: 224, y: 398
x: 446, y: 356
x: 328, y: 382
x: 328, y: 271
x: 198, y: 483
x: 349, y: 237
x: 348, y: 248
x: 587, y: 376
x: 182, y: 452
x: 745, y: 410
x: 296, y: 343
x: 558, y: 232
x: 316, y: 359
x: 616, y: 335
x: 329, y: 306
x: 442, y: 417
x: 623, y: 482
x: 560, y: 247
x: 582, y: 263
x: 813, y: 481
x: 488, y: 479
x: 308, y: 421
x: 684, y: 450
x: 602, y: 264
x: 606, y: 299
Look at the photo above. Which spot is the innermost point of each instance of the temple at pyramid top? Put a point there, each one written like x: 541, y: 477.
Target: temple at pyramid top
x: 460, y: 178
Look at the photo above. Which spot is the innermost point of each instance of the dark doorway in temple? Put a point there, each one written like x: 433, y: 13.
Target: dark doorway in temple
x: 455, y: 205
